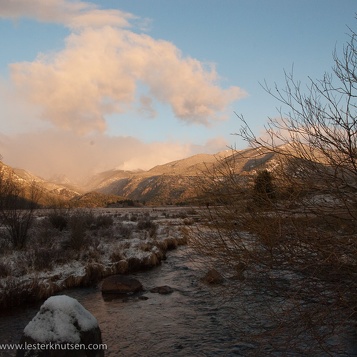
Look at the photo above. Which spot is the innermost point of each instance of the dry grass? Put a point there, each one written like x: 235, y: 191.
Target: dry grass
x: 91, y: 245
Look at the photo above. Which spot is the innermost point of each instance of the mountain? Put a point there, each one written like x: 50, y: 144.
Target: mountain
x: 191, y: 166
x: 171, y: 183
x: 176, y: 182
x: 50, y: 192
x: 105, y: 178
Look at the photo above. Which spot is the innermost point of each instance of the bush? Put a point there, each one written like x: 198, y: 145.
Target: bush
x: 147, y: 225
x: 116, y: 256
x: 124, y: 230
x: 43, y: 259
x: 264, y: 190
x: 17, y: 207
x: 133, y: 218
x: 104, y: 221
x: 309, y: 239
x: 58, y: 220
x: 88, y: 218
x: 78, y: 225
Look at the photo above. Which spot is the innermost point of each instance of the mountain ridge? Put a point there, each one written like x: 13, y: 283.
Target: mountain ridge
x: 170, y: 183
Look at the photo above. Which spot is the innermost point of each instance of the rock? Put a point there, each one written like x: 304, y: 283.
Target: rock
x: 121, y: 266
x: 171, y: 243
x: 151, y: 261
x: 121, y: 284
x: 60, y: 329
x: 213, y: 277
x: 134, y: 264
x: 164, y: 290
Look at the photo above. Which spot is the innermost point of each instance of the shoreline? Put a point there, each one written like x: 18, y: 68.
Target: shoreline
x: 112, y: 255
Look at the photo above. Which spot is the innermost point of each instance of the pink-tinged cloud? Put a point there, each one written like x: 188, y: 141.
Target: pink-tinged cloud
x: 55, y: 152
x: 96, y: 74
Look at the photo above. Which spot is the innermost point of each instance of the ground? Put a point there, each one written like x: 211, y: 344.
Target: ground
x: 91, y: 245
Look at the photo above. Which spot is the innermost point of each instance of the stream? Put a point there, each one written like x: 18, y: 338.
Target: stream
x: 194, y: 320
x: 187, y: 322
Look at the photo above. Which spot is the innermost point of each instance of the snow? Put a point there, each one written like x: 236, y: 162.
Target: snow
x: 57, y: 320
x: 19, y: 273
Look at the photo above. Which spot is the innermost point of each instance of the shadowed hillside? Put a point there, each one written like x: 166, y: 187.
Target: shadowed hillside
x: 175, y: 182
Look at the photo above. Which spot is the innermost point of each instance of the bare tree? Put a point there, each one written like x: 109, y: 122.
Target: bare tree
x: 302, y: 247
x: 17, y: 207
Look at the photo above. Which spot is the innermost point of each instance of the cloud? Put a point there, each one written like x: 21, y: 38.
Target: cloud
x: 97, y: 74
x: 53, y: 152
x: 73, y: 14
x: 98, y: 71
x: 104, y: 68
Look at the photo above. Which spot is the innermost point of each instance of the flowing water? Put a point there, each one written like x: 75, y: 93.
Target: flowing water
x: 189, y: 322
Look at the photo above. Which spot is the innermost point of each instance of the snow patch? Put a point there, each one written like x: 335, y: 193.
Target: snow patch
x: 60, y: 319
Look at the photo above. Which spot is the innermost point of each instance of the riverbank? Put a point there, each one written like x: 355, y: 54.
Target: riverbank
x: 100, y: 243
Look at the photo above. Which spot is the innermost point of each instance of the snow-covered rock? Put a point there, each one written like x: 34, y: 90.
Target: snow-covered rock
x: 62, y: 327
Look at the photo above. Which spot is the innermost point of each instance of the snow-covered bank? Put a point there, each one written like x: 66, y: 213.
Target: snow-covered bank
x: 133, y: 240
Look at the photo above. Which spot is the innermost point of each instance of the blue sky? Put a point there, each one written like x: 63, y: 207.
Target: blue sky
x: 89, y: 86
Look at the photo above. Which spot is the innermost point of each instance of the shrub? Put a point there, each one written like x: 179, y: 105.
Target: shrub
x: 43, y: 259
x: 5, y: 245
x: 309, y: 239
x: 147, y: 225
x: 104, y: 221
x: 133, y: 218
x: 17, y: 208
x: 58, y: 220
x: 88, y: 218
x: 43, y: 236
x: 78, y: 225
x: 116, y: 256
x: 264, y: 190
x: 124, y: 230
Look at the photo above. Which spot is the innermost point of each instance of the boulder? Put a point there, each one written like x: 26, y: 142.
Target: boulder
x: 213, y: 277
x: 121, y: 284
x: 164, y: 290
x: 62, y: 327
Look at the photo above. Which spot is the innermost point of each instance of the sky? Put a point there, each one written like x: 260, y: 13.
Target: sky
x: 89, y: 86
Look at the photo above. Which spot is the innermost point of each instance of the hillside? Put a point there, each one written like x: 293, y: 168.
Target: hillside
x: 177, y: 181
x: 55, y: 193
x: 50, y: 192
x: 95, y: 199
x: 105, y: 178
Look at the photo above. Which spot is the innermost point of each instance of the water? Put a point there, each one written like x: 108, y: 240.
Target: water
x: 188, y: 322
x: 195, y: 320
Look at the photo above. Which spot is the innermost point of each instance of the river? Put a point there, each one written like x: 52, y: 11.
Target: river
x: 195, y: 320
x: 188, y: 322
